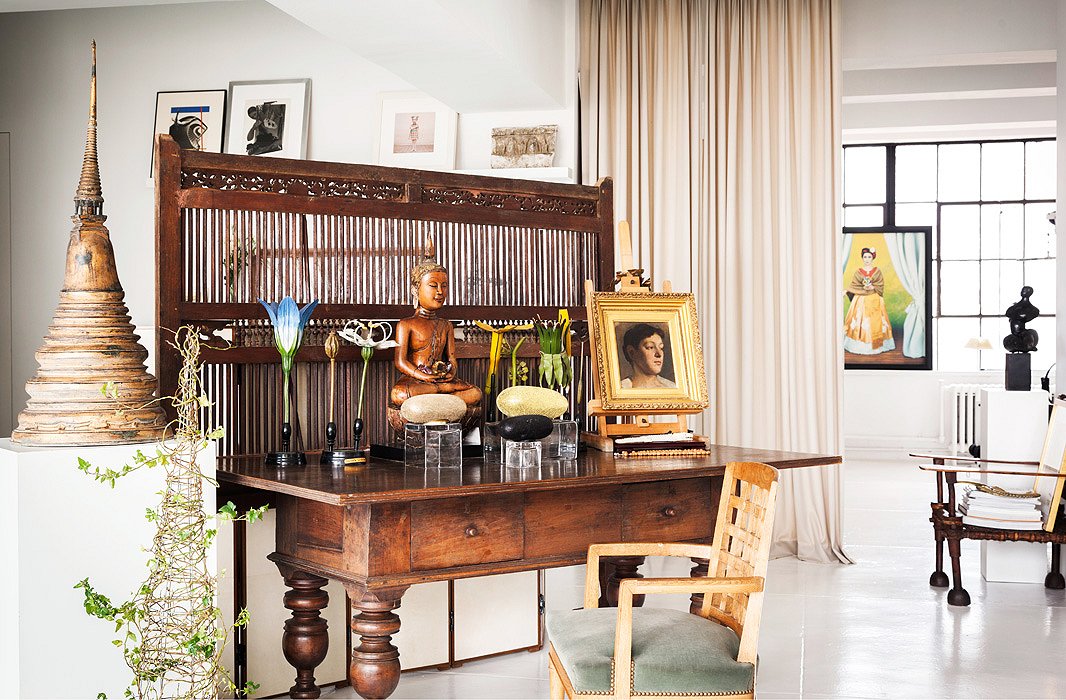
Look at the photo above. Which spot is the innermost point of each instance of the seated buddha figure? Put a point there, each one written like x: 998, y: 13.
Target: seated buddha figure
x: 425, y: 356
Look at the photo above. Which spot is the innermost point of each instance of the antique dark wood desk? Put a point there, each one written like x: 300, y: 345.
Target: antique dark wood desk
x: 379, y: 528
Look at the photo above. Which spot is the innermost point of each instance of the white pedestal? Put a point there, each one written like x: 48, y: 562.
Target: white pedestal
x: 1012, y: 427
x: 58, y: 526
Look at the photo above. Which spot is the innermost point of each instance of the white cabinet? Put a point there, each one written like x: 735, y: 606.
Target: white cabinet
x: 1011, y: 427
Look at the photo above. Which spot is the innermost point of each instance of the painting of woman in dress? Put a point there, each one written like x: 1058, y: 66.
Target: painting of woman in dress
x: 867, y: 330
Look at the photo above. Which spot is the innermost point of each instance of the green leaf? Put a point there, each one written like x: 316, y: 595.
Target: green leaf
x: 228, y: 511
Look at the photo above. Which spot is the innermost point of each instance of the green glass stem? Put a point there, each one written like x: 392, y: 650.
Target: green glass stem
x: 285, y: 391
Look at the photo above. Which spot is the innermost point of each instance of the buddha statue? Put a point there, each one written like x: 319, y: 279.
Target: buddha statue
x: 425, y: 356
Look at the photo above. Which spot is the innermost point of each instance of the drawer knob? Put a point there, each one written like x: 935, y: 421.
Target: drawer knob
x: 669, y: 512
x: 471, y: 531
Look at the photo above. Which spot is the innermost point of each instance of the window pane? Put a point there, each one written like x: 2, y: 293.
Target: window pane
x: 951, y: 337
x: 864, y: 216
x: 1001, y: 280
x: 1039, y: 232
x: 915, y: 174
x: 1044, y: 356
x: 1001, y: 231
x: 993, y: 328
x: 1002, y: 171
x: 960, y: 232
x: 959, y: 172
x: 1040, y: 275
x: 1040, y: 170
x: 959, y: 288
x: 916, y: 214
x: 864, y: 175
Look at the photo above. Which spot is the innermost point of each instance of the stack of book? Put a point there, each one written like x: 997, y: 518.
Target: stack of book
x: 1004, y: 512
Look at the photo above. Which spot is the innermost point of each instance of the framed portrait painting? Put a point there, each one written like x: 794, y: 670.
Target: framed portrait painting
x: 195, y: 119
x: 416, y: 132
x: 269, y: 118
x: 887, y: 304
x: 647, y: 351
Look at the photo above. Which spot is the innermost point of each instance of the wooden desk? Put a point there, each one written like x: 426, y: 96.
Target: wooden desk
x: 380, y: 528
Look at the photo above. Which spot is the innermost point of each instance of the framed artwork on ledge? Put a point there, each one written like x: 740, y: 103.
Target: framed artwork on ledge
x: 269, y: 118
x: 648, y: 352
x: 416, y: 132
x: 887, y: 302
x: 195, y: 119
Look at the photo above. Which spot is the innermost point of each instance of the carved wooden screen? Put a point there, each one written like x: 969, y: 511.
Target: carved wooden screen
x: 231, y: 229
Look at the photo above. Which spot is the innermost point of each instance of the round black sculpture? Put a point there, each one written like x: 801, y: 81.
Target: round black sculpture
x: 1020, y: 343
x: 1022, y: 339
x: 525, y: 428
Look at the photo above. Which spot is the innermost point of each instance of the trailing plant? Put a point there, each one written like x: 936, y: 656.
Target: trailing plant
x: 171, y: 630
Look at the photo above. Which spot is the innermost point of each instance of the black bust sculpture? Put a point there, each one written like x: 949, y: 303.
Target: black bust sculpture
x: 1022, y: 339
x: 1020, y: 342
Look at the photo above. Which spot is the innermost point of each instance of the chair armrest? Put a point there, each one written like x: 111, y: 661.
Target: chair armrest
x: 957, y: 470
x: 633, y: 549
x: 967, y: 458
x: 702, y: 584
x: 623, y: 631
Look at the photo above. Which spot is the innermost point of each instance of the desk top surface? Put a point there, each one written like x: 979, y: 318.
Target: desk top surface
x: 382, y: 481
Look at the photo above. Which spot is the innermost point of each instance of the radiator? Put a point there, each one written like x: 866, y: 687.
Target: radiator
x: 959, y: 415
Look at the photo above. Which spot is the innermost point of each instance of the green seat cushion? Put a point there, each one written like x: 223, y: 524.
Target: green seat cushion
x: 673, y: 652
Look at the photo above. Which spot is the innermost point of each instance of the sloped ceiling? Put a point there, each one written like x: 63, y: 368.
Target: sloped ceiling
x: 472, y: 55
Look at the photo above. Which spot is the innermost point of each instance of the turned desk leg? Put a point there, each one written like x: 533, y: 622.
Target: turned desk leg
x: 617, y: 570
x: 375, y: 670
x: 698, y: 571
x: 306, y: 639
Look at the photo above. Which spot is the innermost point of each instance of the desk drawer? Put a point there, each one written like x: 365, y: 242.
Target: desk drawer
x: 446, y: 533
x: 668, y: 511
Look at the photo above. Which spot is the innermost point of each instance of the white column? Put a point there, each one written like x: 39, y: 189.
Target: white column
x: 1060, y: 201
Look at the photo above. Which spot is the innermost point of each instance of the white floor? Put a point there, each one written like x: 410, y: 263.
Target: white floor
x: 871, y: 630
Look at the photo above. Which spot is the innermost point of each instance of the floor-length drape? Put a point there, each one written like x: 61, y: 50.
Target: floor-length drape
x: 719, y: 121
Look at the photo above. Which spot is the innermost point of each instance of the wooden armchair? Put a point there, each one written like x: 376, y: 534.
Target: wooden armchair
x: 660, y: 653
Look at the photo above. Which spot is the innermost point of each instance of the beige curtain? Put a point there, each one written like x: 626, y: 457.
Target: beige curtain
x: 719, y: 121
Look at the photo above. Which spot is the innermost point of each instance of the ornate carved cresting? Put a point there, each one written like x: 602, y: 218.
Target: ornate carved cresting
x: 504, y: 200
x: 306, y: 186
x: 91, y: 341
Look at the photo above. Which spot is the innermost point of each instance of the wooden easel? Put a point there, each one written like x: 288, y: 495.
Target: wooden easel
x: 629, y: 423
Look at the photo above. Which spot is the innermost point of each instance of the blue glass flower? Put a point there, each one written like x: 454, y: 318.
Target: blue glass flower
x: 288, y: 320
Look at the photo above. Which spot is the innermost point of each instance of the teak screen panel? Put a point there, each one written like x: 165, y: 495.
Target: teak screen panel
x: 231, y: 229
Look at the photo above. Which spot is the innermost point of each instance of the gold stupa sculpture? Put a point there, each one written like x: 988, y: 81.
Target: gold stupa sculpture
x: 91, y: 342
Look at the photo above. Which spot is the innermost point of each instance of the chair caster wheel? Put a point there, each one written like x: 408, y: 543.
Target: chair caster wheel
x: 939, y: 579
x: 958, y: 596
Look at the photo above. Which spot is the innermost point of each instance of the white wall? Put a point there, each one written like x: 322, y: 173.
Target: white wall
x: 142, y: 50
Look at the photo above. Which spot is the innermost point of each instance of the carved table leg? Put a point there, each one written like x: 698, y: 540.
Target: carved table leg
x: 375, y: 669
x: 305, y: 640
x: 957, y: 595
x: 1054, y: 580
x: 699, y: 570
x: 624, y: 567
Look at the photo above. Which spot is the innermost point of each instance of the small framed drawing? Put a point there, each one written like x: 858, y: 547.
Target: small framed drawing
x: 195, y: 119
x: 416, y: 132
x: 887, y: 305
x: 269, y: 118
x: 648, y: 352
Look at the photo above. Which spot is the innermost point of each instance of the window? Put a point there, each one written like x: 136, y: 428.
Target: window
x: 988, y: 203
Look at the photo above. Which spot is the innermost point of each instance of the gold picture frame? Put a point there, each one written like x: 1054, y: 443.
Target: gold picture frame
x: 661, y: 374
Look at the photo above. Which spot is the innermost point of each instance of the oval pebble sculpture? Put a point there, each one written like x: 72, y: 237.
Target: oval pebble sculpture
x: 525, y: 428
x: 427, y: 408
x: 531, y: 400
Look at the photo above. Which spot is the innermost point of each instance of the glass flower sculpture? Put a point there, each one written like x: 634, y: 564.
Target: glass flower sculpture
x: 369, y: 336
x: 289, y: 321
